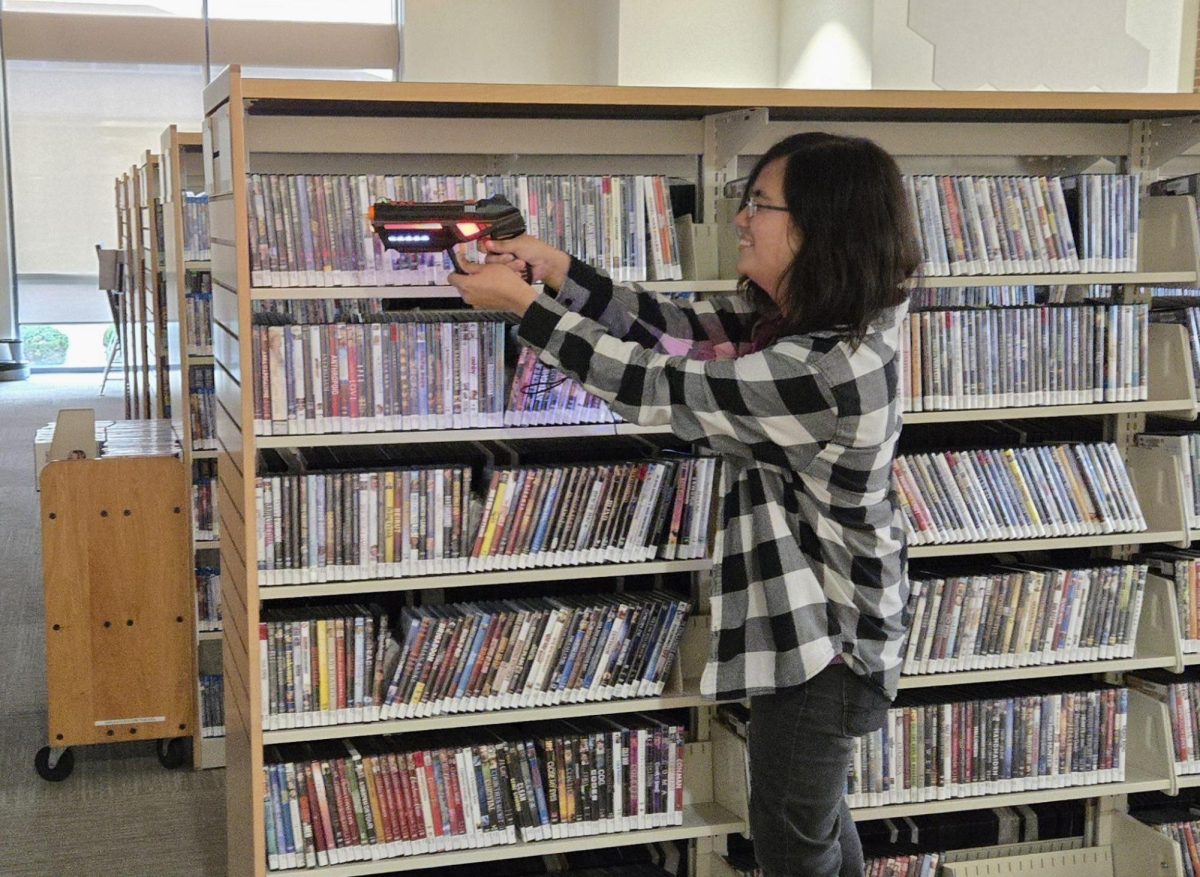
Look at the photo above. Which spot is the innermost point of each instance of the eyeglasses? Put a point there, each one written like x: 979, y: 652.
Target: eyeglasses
x: 752, y: 207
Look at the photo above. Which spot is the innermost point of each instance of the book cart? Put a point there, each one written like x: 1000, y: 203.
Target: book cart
x: 182, y: 172
x: 710, y: 136
x: 117, y: 602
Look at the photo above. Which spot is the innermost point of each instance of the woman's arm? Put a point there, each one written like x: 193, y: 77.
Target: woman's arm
x: 713, y: 328
x: 709, y: 329
x: 771, y: 406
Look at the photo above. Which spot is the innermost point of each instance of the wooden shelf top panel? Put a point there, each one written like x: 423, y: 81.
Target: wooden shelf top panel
x: 340, y: 98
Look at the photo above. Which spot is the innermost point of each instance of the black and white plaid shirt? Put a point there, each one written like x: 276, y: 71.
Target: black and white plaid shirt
x: 810, y: 551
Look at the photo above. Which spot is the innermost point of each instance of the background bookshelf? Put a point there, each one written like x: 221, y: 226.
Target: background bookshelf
x: 147, y: 313
x: 708, y: 136
x: 181, y: 183
x: 139, y: 304
x: 132, y: 326
x: 159, y: 309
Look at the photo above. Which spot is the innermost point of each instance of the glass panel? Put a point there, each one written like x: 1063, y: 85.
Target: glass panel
x: 360, y: 11
x: 69, y: 345
x: 179, y: 8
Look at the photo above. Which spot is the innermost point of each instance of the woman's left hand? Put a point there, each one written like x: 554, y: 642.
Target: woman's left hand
x: 493, y: 288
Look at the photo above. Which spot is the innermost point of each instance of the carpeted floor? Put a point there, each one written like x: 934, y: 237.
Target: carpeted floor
x: 120, y: 812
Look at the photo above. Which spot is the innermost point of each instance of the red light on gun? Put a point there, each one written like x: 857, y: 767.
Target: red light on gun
x: 413, y: 226
x: 468, y: 230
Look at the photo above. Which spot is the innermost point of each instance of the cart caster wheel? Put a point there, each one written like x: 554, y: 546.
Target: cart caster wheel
x: 54, y: 768
x: 171, y: 753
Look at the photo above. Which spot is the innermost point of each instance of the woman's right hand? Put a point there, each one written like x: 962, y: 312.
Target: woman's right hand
x: 547, y: 264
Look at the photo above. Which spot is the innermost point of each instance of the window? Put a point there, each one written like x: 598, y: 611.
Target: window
x: 179, y: 8
x: 356, y: 11
x: 74, y: 128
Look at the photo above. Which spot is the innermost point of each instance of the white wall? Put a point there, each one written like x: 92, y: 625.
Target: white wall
x: 514, y: 41
x: 825, y: 43
x: 1169, y: 30
x: 596, y: 42
x: 1061, y: 45
x: 700, y: 43
x: 1064, y: 45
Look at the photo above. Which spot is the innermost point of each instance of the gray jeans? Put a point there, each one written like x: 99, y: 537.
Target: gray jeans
x: 800, y: 747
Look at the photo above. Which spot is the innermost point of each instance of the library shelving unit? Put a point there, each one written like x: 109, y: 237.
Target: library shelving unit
x: 139, y: 300
x: 159, y: 310
x: 182, y: 171
x: 708, y: 136
x: 127, y: 246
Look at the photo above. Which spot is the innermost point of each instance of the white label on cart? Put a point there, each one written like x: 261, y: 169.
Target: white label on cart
x: 144, y: 720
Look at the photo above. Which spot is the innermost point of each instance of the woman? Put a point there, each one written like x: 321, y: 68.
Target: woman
x: 794, y: 383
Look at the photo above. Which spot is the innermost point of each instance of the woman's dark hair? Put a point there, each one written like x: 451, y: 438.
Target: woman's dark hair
x: 858, y: 247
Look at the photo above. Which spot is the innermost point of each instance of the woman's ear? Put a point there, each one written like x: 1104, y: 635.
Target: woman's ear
x: 795, y: 236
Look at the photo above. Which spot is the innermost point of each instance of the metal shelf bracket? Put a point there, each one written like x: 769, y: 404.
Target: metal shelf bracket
x: 1157, y: 141
x: 725, y: 136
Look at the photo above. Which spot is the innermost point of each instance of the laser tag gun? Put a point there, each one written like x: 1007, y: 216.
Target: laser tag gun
x: 430, y: 226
